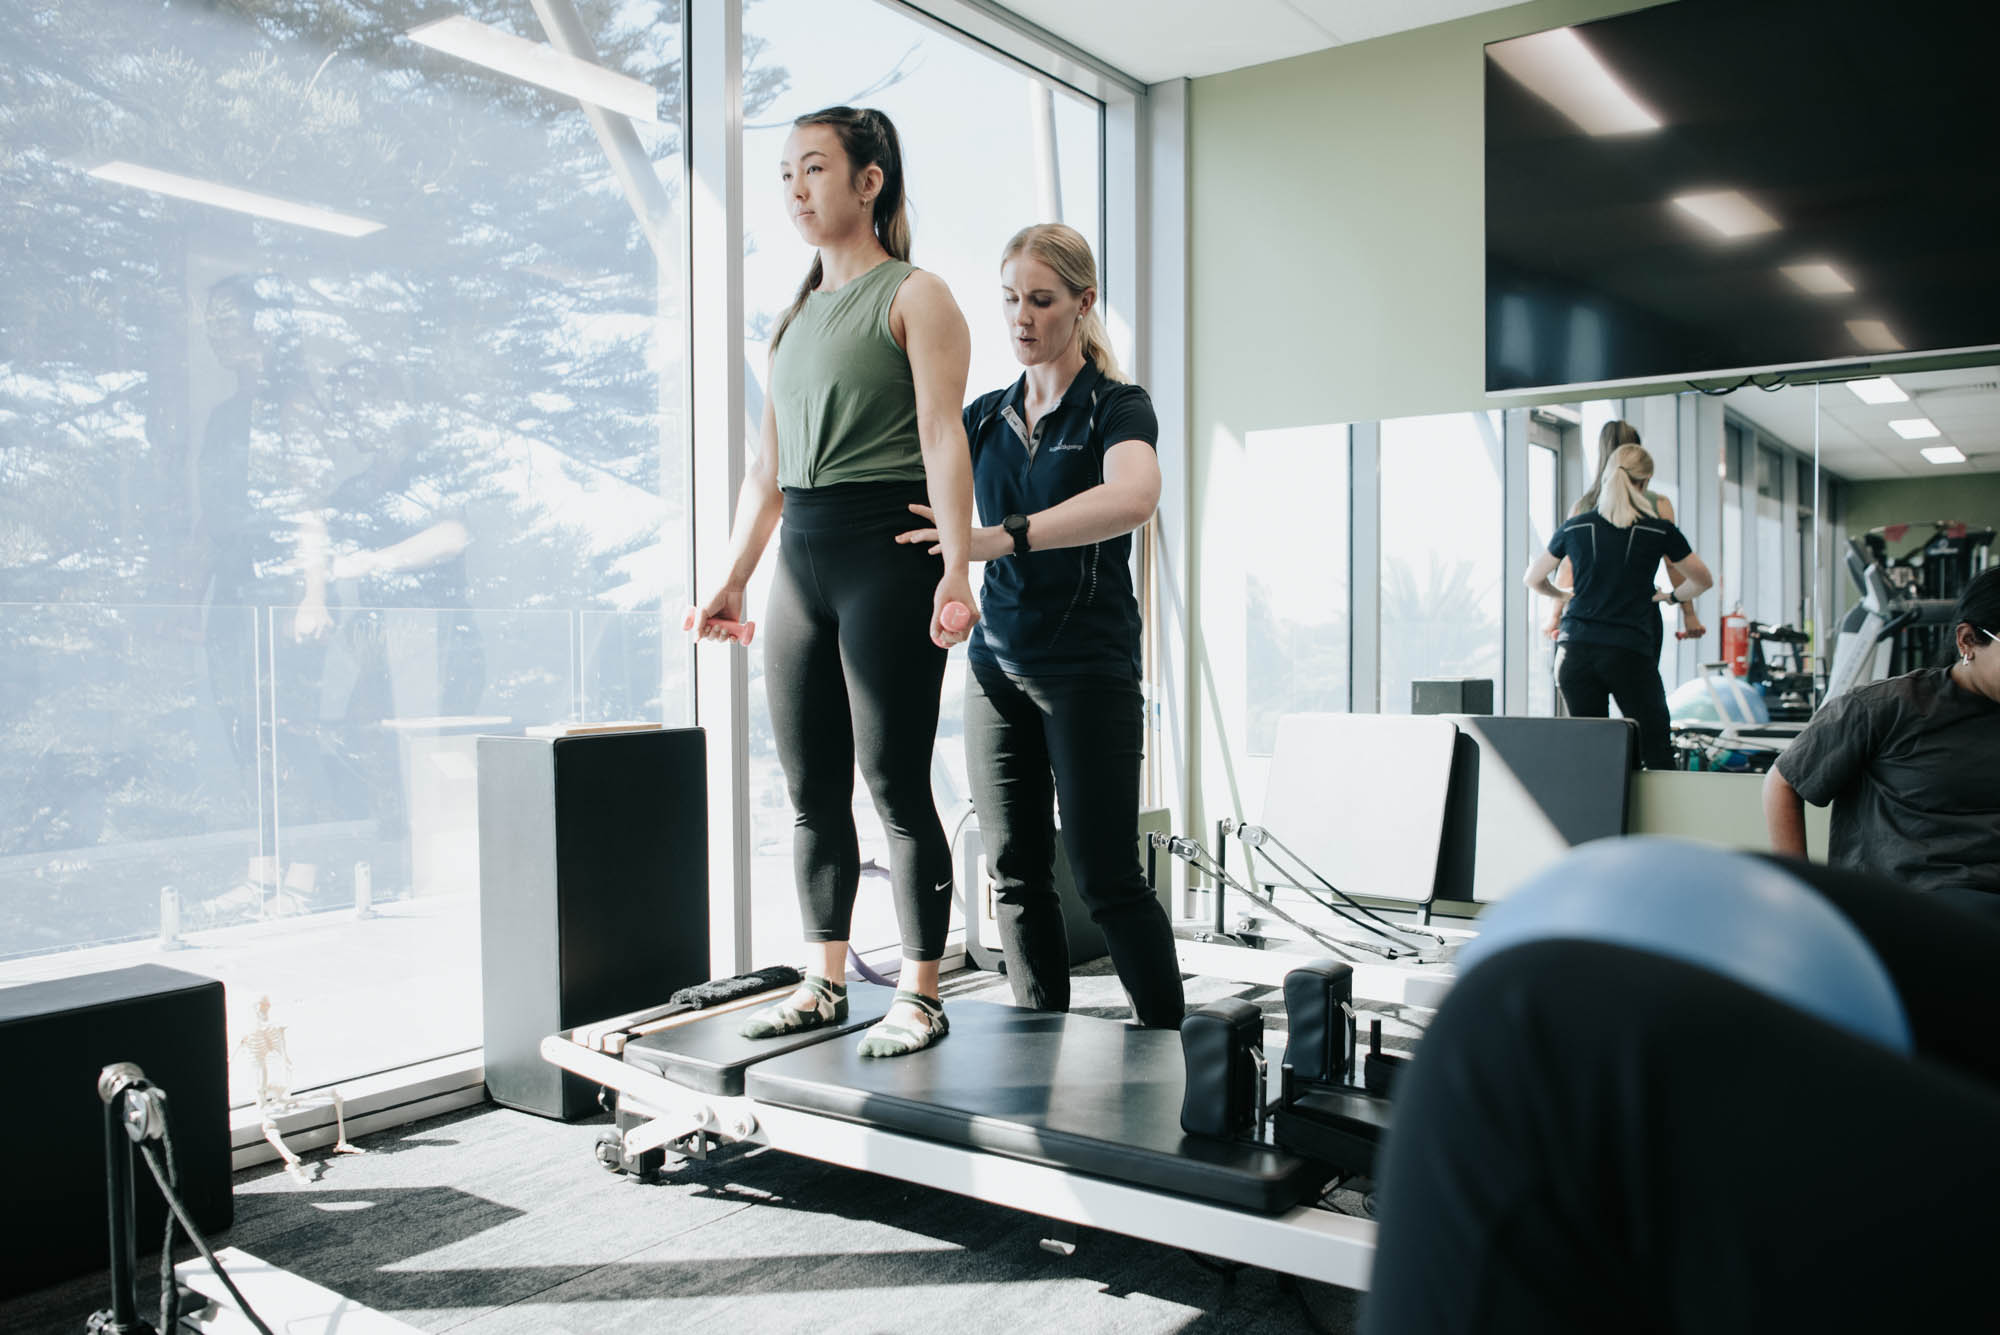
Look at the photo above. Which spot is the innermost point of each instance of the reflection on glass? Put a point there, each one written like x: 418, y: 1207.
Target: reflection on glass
x: 1544, y: 517
x: 290, y: 511
x: 1770, y: 535
x: 1296, y: 566
x: 1730, y: 597
x: 1442, y: 513
x: 973, y: 156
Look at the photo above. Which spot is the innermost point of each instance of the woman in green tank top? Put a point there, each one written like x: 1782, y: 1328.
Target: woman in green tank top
x: 862, y: 420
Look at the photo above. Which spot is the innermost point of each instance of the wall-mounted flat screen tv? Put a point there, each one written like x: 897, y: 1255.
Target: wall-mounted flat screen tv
x: 1726, y: 187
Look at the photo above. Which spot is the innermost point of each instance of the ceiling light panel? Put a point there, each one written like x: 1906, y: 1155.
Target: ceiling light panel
x: 1561, y: 69
x: 540, y: 64
x: 230, y: 197
x: 1729, y: 213
x: 1874, y: 336
x: 1878, y: 389
x: 1915, y: 428
x: 1822, y: 280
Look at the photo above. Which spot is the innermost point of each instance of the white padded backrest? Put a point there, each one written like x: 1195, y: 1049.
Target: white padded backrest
x: 1361, y: 798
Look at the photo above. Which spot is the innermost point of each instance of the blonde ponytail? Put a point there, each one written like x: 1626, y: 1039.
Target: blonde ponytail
x: 1066, y: 253
x: 1620, y: 498
x: 1614, y: 433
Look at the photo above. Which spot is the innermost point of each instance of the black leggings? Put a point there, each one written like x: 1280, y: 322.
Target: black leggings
x: 1592, y: 675
x: 853, y: 676
x: 1596, y: 1138
x: 1033, y: 742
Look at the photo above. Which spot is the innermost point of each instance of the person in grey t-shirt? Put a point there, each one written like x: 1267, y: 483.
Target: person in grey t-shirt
x: 1907, y: 764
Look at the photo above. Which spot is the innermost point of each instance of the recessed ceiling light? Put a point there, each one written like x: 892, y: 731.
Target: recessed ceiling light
x: 1729, y: 212
x: 1944, y: 454
x: 1559, y: 68
x: 1878, y: 389
x: 1914, y: 428
x: 229, y: 197
x: 1822, y: 280
x: 1874, y: 336
x: 540, y: 64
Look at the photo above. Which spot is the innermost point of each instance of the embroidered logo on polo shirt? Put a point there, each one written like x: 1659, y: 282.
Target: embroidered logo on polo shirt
x: 1066, y: 445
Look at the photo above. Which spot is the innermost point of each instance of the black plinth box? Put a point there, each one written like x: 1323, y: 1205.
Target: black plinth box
x: 1451, y: 695
x: 593, y: 893
x: 54, y: 1039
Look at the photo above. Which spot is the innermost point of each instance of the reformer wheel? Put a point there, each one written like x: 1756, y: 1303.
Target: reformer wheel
x: 610, y: 1151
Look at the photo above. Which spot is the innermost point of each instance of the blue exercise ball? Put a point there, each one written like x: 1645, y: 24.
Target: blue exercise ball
x: 1717, y: 698
x: 1739, y: 916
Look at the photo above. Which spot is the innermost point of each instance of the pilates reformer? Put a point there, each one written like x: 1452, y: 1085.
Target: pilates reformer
x: 1084, y: 1121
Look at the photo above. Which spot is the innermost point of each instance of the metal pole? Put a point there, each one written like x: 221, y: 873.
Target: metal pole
x: 121, y: 1203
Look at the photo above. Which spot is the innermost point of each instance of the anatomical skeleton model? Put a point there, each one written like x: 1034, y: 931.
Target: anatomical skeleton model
x: 266, y: 1045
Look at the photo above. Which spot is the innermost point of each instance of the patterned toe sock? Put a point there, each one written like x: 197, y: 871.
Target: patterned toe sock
x: 829, y: 1006
x: 913, y: 1023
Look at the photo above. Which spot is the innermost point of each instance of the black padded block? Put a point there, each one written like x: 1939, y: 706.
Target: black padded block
x: 593, y: 893
x: 56, y: 1037
x: 1075, y: 1092
x: 710, y: 1055
x: 1451, y: 695
x: 1319, y: 1035
x: 1217, y: 1043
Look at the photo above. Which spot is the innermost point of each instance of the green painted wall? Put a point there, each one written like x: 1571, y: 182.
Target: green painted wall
x: 1337, y: 223
x: 1725, y: 809
x: 1953, y: 494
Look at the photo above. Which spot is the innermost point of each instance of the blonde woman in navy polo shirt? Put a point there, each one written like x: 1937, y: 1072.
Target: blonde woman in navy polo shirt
x: 1610, y: 626
x: 1064, y: 469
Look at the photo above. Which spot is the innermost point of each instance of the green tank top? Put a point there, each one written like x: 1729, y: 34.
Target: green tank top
x: 841, y: 388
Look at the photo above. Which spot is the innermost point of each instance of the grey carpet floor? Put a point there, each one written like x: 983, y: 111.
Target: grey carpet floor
x: 495, y: 1222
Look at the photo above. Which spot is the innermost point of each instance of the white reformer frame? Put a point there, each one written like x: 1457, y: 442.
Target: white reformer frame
x: 1306, y: 1241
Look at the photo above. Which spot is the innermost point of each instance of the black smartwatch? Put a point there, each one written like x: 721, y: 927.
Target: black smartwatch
x: 1016, y: 527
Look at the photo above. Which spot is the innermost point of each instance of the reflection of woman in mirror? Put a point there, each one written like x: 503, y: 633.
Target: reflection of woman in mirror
x: 393, y: 534
x: 1610, y: 627
x: 247, y: 450
x: 867, y: 382
x: 1614, y: 434
x: 383, y: 545
x: 1905, y: 764
x: 1064, y: 469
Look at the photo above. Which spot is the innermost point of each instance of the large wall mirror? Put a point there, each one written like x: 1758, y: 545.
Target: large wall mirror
x: 1909, y: 486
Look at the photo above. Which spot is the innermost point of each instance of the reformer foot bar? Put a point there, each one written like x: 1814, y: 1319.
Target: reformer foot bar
x: 1071, y: 1117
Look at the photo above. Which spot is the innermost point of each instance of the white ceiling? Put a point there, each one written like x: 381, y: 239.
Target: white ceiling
x: 1854, y: 437
x: 1153, y: 40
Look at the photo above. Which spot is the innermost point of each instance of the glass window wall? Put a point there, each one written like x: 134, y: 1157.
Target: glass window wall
x: 339, y: 424
x: 1296, y: 622
x: 1442, y: 511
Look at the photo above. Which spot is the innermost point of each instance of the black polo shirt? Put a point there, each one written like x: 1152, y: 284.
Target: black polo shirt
x: 1066, y: 611
x: 1614, y: 570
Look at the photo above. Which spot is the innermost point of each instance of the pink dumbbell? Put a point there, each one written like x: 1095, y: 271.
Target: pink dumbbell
x: 739, y: 631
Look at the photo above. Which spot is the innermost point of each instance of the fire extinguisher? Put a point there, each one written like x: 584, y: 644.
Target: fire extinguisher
x: 1736, y: 642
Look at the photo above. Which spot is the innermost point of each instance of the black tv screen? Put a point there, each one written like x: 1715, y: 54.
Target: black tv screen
x: 1721, y: 187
